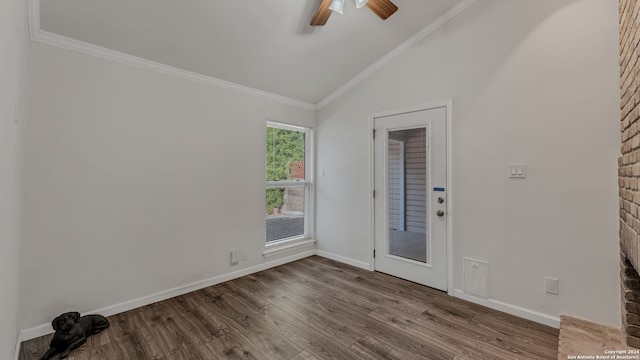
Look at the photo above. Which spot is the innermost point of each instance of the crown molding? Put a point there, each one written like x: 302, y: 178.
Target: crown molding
x: 406, y: 45
x: 44, y: 37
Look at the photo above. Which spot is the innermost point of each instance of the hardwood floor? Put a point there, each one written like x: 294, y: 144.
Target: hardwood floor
x: 582, y: 337
x: 314, y: 308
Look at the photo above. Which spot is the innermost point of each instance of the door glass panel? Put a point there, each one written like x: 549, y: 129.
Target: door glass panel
x: 407, y: 193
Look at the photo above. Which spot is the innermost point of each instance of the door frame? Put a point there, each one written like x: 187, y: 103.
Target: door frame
x: 448, y: 104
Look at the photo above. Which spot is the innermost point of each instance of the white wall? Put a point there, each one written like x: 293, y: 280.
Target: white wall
x: 136, y: 182
x: 531, y: 81
x: 13, y: 47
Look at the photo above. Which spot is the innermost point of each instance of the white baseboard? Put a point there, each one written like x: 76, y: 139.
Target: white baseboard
x: 493, y: 304
x: 344, y: 260
x: 46, y: 329
x: 518, y: 311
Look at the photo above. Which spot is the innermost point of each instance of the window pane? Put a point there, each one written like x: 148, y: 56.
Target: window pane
x: 285, y: 212
x: 285, y: 154
x: 407, y: 179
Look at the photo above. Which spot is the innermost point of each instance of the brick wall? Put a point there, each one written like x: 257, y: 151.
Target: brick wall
x: 629, y: 162
x: 629, y: 165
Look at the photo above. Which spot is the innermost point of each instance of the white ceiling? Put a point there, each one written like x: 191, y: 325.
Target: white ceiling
x: 264, y: 45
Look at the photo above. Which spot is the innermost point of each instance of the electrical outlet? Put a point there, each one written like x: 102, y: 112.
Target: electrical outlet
x: 235, y: 257
x: 517, y: 171
x: 551, y: 285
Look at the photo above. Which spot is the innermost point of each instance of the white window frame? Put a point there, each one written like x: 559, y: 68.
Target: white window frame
x: 276, y: 246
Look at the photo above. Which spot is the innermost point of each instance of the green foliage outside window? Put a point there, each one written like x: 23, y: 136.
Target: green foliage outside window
x: 283, y: 148
x: 274, y: 199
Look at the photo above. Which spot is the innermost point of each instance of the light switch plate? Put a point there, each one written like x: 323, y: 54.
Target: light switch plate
x: 517, y: 171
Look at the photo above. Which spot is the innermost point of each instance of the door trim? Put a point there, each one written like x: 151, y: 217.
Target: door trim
x: 448, y: 104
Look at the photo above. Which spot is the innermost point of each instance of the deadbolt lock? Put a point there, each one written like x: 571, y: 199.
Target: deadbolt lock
x: 440, y: 213
x: 440, y: 200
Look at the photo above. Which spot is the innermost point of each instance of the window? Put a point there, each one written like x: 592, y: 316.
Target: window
x: 288, y: 183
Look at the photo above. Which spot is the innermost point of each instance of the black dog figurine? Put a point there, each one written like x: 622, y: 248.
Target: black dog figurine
x: 72, y: 330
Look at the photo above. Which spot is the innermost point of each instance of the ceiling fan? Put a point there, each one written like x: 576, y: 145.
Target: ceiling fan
x: 382, y: 8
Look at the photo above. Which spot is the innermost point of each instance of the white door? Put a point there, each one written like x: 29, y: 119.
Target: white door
x: 416, y: 250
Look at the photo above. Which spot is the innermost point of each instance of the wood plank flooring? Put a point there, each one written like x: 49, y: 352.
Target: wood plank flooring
x: 311, y: 309
x: 582, y: 337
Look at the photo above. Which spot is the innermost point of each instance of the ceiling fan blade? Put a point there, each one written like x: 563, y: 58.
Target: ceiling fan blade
x: 322, y: 14
x: 382, y: 8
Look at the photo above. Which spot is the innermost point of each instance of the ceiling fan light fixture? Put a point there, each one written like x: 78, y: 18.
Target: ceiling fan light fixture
x: 361, y: 3
x: 337, y: 6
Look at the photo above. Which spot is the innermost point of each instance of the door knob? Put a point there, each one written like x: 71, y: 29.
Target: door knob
x: 440, y: 213
x: 440, y: 200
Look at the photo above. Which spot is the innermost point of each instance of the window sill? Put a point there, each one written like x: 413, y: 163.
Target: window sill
x: 278, y: 248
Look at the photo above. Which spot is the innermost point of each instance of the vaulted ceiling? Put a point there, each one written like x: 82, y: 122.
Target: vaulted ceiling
x: 266, y: 45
